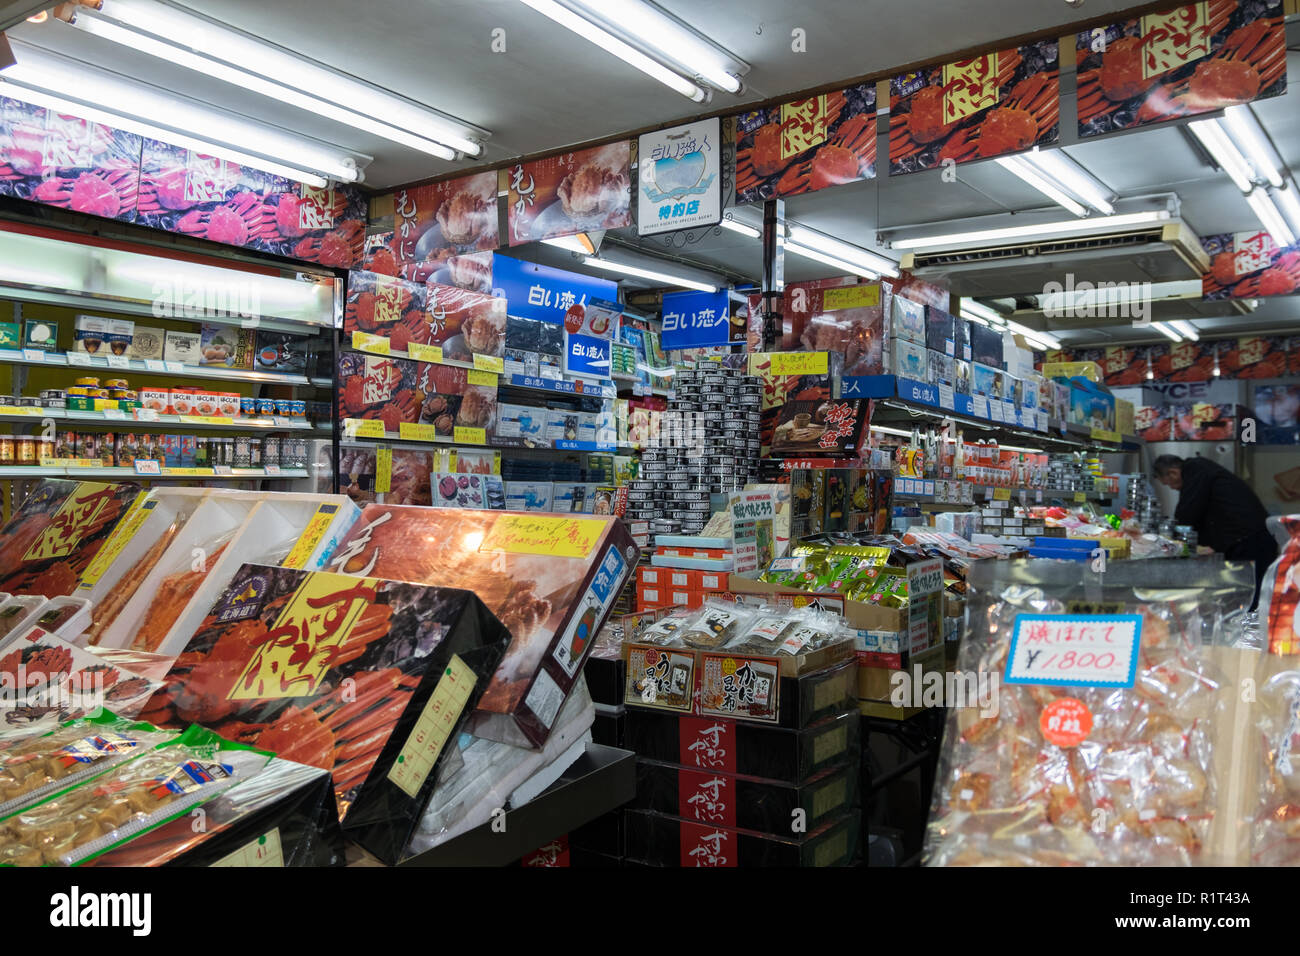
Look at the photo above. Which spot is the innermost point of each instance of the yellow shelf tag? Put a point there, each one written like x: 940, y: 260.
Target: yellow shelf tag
x: 375, y: 344
x: 536, y: 534
x: 306, y: 544
x: 424, y: 353
x: 489, y: 363
x: 470, y: 436
x: 434, y: 728
x: 800, y: 363
x: 410, y: 431
x: 851, y: 297
x: 483, y: 378
x: 136, y: 516
x: 383, y: 470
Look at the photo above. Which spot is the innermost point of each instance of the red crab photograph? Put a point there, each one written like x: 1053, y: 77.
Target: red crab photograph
x: 996, y: 103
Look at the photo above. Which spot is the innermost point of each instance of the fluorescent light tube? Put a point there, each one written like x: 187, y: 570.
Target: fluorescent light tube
x: 1270, y: 217
x: 832, y: 261
x: 1166, y: 331
x: 1288, y: 203
x: 990, y: 317
x: 886, y: 430
x: 579, y: 243
x: 1029, y: 333
x: 612, y: 44
x: 845, y: 251
x: 1099, y: 225
x: 1072, y: 177
x: 1241, y: 122
x: 735, y: 225
x: 305, y: 168
x: 611, y: 266
x: 1229, y: 158
x: 1032, y: 176
x: 220, y: 42
x: 1186, y: 328
x: 249, y: 81
x: 672, y: 41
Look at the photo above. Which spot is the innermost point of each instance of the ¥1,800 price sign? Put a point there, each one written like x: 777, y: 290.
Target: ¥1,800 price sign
x: 1074, y: 650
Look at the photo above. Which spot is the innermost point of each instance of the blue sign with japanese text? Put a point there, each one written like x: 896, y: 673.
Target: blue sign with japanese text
x: 695, y: 319
x: 586, y: 355
x: 532, y: 291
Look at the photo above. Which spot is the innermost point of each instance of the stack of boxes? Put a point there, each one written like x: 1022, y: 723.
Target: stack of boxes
x: 685, y: 573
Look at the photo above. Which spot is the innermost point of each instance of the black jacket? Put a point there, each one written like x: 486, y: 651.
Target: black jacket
x: 1219, y: 505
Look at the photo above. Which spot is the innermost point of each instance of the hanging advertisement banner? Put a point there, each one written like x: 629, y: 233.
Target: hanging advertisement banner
x: 805, y: 145
x: 440, y: 220
x: 1179, y: 62
x: 570, y: 193
x: 679, y: 182
x: 1249, y: 265
x: 532, y: 291
x: 996, y: 103
x: 695, y: 319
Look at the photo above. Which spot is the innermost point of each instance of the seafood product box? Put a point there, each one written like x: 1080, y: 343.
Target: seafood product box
x: 460, y: 323
x: 656, y: 839
x: 907, y: 321
x: 737, y: 747
x: 56, y: 532
x: 364, y: 677
x: 286, y: 815
x: 551, y: 580
x: 205, y: 544
x: 750, y: 803
x: 399, y: 391
x: 57, y: 677
x: 226, y: 346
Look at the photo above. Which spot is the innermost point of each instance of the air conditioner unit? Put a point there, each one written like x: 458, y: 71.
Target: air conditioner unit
x: 1153, y: 252
x: 1105, y: 313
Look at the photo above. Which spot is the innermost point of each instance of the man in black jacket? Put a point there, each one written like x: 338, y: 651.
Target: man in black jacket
x: 1226, y: 514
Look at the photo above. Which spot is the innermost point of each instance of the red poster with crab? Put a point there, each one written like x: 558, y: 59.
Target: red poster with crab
x: 1179, y: 62
x: 993, y: 104
x: 463, y: 324
x: 1249, y: 265
x: 438, y: 221
x: 570, y: 193
x: 66, y: 161
x: 805, y: 145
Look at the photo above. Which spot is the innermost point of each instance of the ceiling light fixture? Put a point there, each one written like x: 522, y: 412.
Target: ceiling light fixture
x: 835, y: 263
x: 1224, y: 153
x: 982, y: 313
x: 149, y: 28
x: 1244, y: 126
x: 609, y: 265
x: 611, y: 44
x: 670, y: 39
x: 1035, y: 178
x: 1100, y: 225
x: 1072, y: 177
x: 1287, y: 202
x: 807, y: 238
x: 106, y: 98
x: 735, y: 225
x: 1186, y: 329
x: 1051, y: 340
x: 1268, y: 214
x: 1166, y: 331
x: 578, y: 243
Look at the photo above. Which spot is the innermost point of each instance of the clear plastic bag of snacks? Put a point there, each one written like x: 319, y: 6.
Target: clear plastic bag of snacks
x: 1084, y: 774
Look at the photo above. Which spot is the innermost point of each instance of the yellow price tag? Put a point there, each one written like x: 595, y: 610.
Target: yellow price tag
x: 483, y: 378
x: 800, y: 363
x: 1080, y: 496
x: 1001, y: 494
x: 851, y: 297
x: 189, y: 472
x: 424, y: 353
x: 419, y: 755
x: 538, y: 534
x: 1100, y: 434
x: 489, y: 363
x: 205, y: 420
x: 383, y: 470
x: 306, y: 544
x: 363, y: 428
x: 496, y: 463
x: 470, y: 436
x: 136, y: 515
x: 20, y: 410
x: 375, y: 344
x: 413, y: 432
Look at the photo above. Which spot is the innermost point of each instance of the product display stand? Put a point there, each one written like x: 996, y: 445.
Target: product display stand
x: 919, y: 736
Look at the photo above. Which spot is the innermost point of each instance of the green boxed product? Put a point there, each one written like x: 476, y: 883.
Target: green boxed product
x: 10, y: 335
x: 41, y: 334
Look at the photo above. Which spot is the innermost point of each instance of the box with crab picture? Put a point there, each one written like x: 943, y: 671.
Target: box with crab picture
x: 551, y: 579
x: 378, y: 387
x: 379, y: 678
x: 457, y: 398
x: 65, y: 161
x: 183, y: 191
x: 322, y: 225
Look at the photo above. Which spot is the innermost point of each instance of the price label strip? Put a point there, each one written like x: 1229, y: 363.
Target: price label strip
x: 383, y: 470
x: 311, y: 536
x: 1074, y: 650
x: 424, y: 353
x: 437, y: 721
x: 265, y: 851
x: 139, y: 513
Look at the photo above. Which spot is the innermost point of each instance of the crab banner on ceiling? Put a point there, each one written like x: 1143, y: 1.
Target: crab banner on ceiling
x: 570, y: 193
x: 805, y: 145
x: 1249, y: 265
x: 1179, y: 62
x: 996, y: 103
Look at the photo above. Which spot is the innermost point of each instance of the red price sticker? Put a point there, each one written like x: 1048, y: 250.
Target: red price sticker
x: 1074, y: 650
x: 1065, y: 722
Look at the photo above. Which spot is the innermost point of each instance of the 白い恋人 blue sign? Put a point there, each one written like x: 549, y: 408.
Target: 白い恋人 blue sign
x: 586, y: 355
x: 695, y: 319
x: 542, y: 292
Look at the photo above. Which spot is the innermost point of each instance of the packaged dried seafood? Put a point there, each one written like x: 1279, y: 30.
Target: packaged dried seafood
x: 1112, y: 718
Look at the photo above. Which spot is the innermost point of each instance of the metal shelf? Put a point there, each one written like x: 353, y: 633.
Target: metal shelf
x: 101, y: 363
x: 168, y: 474
x: 166, y: 421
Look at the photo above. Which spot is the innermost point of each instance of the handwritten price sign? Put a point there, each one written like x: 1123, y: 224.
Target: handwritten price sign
x: 1074, y: 650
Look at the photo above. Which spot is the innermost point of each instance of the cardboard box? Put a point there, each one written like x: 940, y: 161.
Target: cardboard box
x: 552, y: 579
x: 146, y: 343
x: 41, y: 334
x: 908, y: 360
x: 939, y: 334
x: 659, y: 840
x: 11, y: 335
x: 875, y: 683
x: 1068, y: 370
x: 907, y: 322
x: 226, y: 346
x: 184, y: 347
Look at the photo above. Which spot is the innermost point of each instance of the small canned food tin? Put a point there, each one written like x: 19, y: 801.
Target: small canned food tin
x: 299, y: 408
x: 117, y: 383
x: 248, y: 406
x: 29, y: 402
x: 8, y: 449
x: 88, y: 382
x: 266, y: 406
x: 53, y: 393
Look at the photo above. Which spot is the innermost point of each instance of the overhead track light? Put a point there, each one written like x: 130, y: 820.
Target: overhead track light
x: 223, y: 53
x: 610, y: 43
x: 609, y: 265
x: 1100, y: 225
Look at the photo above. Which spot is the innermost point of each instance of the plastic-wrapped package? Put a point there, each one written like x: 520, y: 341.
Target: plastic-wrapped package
x: 174, y: 593
x: 716, y: 623
x: 127, y: 800
x: 106, y: 609
x: 1087, y: 774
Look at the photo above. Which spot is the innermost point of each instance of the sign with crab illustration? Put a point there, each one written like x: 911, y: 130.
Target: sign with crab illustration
x: 806, y: 145
x: 1183, y: 61
x: 438, y: 221
x: 1249, y: 265
x: 993, y: 104
x: 570, y: 193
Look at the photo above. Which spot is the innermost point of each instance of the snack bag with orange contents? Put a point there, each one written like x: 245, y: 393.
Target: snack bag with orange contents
x: 1099, y: 745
